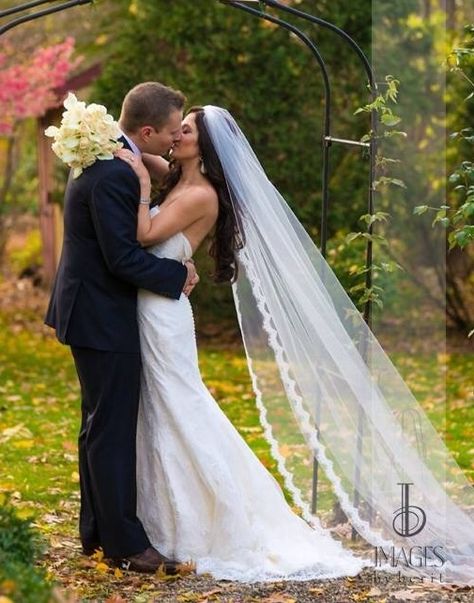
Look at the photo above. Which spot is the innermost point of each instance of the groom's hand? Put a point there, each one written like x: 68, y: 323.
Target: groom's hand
x: 192, y: 280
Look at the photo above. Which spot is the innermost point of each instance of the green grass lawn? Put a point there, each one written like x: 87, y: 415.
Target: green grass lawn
x: 39, y: 419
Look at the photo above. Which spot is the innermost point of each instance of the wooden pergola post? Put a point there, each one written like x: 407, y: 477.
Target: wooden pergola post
x: 47, y: 209
x: 50, y: 213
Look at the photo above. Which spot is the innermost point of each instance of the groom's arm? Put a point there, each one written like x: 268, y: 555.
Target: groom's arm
x: 113, y: 208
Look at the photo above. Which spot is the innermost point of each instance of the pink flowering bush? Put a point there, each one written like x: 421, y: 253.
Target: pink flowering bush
x: 28, y: 89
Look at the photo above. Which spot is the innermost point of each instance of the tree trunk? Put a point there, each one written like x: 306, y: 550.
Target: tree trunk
x: 7, y: 180
x: 426, y: 9
x: 47, y: 219
x: 451, y: 14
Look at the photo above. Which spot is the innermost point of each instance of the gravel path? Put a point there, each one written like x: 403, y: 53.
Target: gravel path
x: 87, y: 580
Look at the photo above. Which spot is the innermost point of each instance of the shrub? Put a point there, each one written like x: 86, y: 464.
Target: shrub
x: 29, y: 255
x: 20, y: 580
x: 23, y: 583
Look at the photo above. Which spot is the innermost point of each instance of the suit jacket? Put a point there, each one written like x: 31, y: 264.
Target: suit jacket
x: 94, y: 296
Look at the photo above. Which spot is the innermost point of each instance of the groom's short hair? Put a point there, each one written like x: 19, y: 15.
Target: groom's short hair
x: 149, y: 104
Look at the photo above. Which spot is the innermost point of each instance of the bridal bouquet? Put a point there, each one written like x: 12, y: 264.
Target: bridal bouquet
x: 86, y: 133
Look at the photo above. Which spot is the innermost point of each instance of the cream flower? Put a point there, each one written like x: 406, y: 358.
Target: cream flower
x: 86, y: 133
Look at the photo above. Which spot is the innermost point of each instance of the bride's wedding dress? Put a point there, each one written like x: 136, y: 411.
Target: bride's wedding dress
x: 203, y: 496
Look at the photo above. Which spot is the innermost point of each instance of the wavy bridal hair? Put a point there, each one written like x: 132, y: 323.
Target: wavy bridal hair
x: 227, y: 238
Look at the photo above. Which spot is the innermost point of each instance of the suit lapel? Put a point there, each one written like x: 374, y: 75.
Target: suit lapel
x: 125, y: 143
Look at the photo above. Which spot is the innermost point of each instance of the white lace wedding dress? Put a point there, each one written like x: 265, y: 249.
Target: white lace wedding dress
x: 203, y: 495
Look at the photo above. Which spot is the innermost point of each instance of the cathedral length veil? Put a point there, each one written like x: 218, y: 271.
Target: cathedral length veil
x: 326, y: 389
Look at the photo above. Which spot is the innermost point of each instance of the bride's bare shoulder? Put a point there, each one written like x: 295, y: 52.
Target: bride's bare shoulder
x: 204, y: 197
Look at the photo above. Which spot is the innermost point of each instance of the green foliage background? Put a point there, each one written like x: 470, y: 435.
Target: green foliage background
x: 270, y: 83
x: 273, y: 86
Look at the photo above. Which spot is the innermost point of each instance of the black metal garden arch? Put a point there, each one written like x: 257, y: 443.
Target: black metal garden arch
x: 21, y: 8
x: 257, y: 8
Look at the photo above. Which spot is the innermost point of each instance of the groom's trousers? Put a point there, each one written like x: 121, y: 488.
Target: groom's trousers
x: 110, y: 388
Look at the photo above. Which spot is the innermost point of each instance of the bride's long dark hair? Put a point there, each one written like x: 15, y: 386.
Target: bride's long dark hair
x: 226, y: 239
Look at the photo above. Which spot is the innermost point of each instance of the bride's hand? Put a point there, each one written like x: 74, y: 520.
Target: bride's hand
x: 135, y: 162
x: 137, y: 165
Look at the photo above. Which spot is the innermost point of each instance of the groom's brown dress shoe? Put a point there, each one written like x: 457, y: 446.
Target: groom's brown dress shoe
x: 148, y: 562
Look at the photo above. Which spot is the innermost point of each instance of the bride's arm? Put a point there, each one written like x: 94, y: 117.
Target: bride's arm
x: 156, y: 165
x: 172, y: 219
x: 176, y: 217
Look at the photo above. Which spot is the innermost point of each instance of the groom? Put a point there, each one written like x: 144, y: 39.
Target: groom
x: 93, y: 309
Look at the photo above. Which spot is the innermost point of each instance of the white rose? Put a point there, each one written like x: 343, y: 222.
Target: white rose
x: 87, y: 133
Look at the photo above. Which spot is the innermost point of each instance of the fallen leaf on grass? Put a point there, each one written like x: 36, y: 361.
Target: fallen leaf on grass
x: 211, y: 595
x: 24, y: 444
x: 359, y: 596
x: 8, y: 587
x: 98, y: 555
x: 374, y: 592
x: 17, y: 430
x: 189, y: 597
x: 184, y: 569
x: 279, y: 598
x: 50, y: 518
x: 196, y: 597
x: 56, y: 542
x: 102, y: 568
x: 407, y: 595
x: 367, y: 596
x: 57, y: 596
x: 161, y: 575
x: 442, y: 586
x: 85, y: 563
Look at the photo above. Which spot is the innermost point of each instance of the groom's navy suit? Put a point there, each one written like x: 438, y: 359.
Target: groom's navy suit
x: 93, y: 309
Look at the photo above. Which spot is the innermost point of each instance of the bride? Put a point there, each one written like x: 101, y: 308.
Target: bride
x: 324, y: 387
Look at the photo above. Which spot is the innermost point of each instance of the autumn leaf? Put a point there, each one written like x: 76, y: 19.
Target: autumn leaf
x: 17, y: 430
x: 359, y: 596
x: 24, y: 444
x: 98, y: 555
x: 8, y: 586
x: 162, y: 575
x: 102, y: 568
x: 60, y: 597
x: 279, y: 598
x: 185, y: 569
x: 50, y: 408
x: 189, y: 597
x: 407, y: 595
